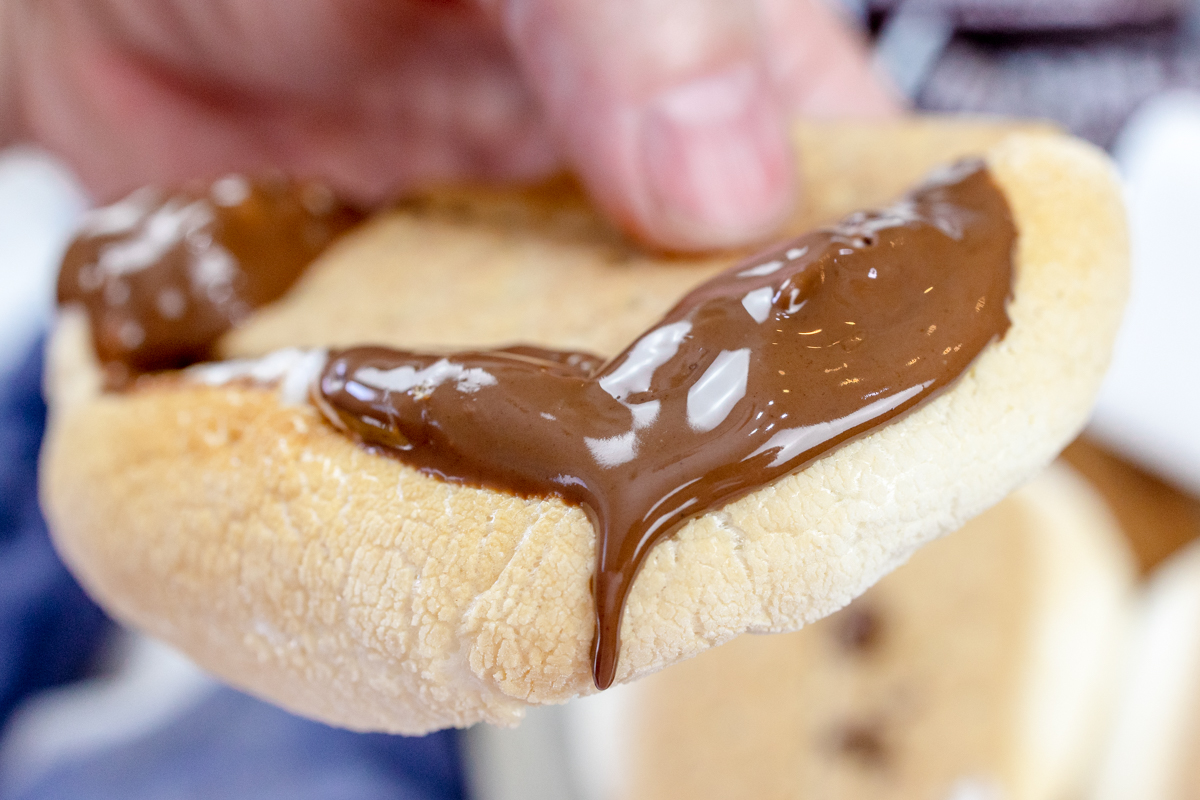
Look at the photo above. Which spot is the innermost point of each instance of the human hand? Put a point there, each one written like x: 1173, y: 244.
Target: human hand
x: 673, y: 112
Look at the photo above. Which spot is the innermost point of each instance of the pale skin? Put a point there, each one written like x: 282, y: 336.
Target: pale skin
x: 672, y: 112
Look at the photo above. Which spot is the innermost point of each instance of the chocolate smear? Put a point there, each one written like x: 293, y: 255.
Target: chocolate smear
x: 162, y: 276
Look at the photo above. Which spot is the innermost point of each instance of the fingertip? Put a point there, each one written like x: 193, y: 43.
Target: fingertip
x: 667, y: 110
x: 715, y: 167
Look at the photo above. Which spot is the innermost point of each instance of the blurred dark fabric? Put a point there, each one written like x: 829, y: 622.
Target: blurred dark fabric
x: 228, y: 745
x: 1090, y: 82
x: 232, y: 746
x: 1015, y: 15
x: 1086, y: 64
x: 49, y: 629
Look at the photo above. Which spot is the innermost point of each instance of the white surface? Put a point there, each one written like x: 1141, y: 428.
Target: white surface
x: 599, y: 756
x: 1148, y: 406
x: 1085, y: 585
x: 154, y: 684
x: 1143, y: 753
x: 40, y: 204
x: 567, y: 752
x: 529, y: 762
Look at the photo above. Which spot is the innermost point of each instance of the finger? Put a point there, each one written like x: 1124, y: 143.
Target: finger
x: 374, y: 96
x: 666, y: 109
x: 820, y: 65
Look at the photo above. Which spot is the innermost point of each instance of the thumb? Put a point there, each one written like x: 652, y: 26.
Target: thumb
x: 665, y: 108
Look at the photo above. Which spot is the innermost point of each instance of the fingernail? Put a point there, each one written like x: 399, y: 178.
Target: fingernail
x: 717, y: 164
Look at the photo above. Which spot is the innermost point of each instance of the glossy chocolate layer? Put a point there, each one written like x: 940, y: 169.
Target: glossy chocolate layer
x: 162, y: 277
x: 750, y: 377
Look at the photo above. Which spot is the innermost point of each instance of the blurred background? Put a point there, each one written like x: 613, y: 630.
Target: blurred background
x: 89, y: 710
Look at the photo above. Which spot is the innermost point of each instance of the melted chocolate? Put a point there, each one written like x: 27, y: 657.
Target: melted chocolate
x: 162, y: 277
x: 750, y: 377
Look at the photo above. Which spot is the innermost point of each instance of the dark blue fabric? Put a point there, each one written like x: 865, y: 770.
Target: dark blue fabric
x: 232, y: 746
x: 49, y: 629
x: 227, y: 746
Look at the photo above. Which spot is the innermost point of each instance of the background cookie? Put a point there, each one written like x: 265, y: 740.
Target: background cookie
x: 984, y: 667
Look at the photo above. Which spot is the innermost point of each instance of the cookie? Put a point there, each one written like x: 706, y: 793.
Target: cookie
x: 219, y: 510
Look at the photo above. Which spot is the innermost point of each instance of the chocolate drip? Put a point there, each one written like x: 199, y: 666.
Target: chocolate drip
x: 162, y: 277
x: 750, y: 377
